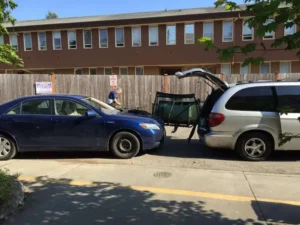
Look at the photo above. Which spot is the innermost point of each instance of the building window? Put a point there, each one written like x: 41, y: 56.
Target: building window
x: 93, y: 71
x: 226, y: 69
x: 248, y: 32
x: 153, y: 35
x: 119, y: 37
x: 285, y: 67
x: 1, y: 40
x: 108, y: 71
x: 56, y: 40
x: 72, y: 41
x: 78, y: 71
x: 103, y: 38
x: 42, y: 41
x: 208, y: 29
x: 13, y: 40
x: 290, y: 30
x: 189, y: 34
x: 265, y: 68
x: 136, y: 37
x: 269, y: 35
x: 171, y: 35
x: 227, y: 31
x: 139, y: 70
x: 123, y: 71
x: 87, y: 38
x: 245, y: 69
x: 27, y: 42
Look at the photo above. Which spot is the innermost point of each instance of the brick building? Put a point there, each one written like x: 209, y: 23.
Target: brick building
x: 148, y: 43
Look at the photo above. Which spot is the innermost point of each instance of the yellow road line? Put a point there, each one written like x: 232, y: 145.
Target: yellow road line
x: 163, y: 191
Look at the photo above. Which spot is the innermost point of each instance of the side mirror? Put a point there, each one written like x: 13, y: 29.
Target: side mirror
x: 90, y: 114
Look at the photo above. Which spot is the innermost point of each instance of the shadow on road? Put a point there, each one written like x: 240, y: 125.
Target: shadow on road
x: 109, y: 203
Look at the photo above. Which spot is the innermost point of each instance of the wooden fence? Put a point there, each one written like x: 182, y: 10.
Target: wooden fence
x: 138, y: 91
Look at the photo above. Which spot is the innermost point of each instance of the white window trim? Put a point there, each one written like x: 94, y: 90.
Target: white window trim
x: 265, y: 63
x: 116, y: 37
x: 295, y: 30
x: 84, y: 39
x: 272, y: 38
x: 107, y: 68
x: 252, y: 38
x: 185, y: 34
x: 139, y: 67
x: 140, y: 36
x: 10, y: 42
x: 171, y: 25
x: 92, y: 68
x: 39, y: 41
x: 53, y: 42
x: 290, y: 65
x: 230, y: 71
x: 69, y: 39
x: 157, y: 35
x: 77, y: 69
x: 122, y: 67
x: 100, y: 37
x: 249, y: 68
x: 232, y: 35
x: 213, y: 28
x: 24, y: 40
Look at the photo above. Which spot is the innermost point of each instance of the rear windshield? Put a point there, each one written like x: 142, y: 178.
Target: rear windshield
x: 252, y: 99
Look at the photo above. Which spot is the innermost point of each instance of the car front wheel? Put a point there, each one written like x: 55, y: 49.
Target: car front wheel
x: 7, y: 148
x: 125, y: 145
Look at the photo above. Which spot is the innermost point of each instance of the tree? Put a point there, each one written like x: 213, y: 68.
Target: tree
x: 7, y: 52
x: 285, y: 12
x: 51, y: 15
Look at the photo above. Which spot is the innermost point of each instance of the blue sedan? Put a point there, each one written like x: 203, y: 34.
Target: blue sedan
x: 73, y: 122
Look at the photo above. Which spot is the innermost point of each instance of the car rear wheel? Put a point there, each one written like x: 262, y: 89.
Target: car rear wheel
x: 254, y: 146
x: 7, y: 148
x: 125, y: 145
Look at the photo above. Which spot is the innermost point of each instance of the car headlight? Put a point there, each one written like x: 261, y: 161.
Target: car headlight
x: 150, y: 126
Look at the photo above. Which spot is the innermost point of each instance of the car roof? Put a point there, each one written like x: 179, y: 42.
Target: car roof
x: 263, y: 83
x: 51, y: 96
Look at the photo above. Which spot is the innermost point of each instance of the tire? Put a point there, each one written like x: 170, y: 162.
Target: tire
x: 125, y: 145
x: 8, y: 148
x: 254, y: 146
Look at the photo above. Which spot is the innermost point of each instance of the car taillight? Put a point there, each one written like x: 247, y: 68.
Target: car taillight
x: 215, y: 119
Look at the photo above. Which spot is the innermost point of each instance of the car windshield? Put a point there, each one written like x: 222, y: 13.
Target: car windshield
x: 101, y: 105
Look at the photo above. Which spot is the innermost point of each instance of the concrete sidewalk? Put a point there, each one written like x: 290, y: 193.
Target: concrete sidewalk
x: 64, y: 193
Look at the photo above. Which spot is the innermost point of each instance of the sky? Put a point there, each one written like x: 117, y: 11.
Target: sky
x: 37, y: 9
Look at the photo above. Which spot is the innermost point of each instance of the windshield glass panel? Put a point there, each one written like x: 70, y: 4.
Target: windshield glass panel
x: 101, y: 105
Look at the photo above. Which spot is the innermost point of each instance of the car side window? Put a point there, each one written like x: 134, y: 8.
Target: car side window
x: 252, y: 99
x: 16, y: 110
x: 288, y: 97
x: 70, y: 108
x: 36, y: 107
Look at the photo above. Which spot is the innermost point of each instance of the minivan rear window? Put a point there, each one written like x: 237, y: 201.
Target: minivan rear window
x: 252, y: 99
x: 289, y: 98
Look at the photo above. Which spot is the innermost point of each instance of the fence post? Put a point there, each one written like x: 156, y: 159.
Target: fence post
x: 53, y: 83
x: 166, y: 83
x: 222, y: 76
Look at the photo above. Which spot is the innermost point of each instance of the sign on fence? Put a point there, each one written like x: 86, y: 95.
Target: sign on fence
x: 43, y: 88
x: 113, y: 80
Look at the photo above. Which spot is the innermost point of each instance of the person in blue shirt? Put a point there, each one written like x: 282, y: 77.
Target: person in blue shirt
x: 113, y: 97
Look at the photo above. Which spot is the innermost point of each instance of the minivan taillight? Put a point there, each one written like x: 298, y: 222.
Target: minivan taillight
x: 215, y: 119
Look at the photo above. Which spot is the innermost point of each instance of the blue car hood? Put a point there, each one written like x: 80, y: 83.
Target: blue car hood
x: 132, y: 116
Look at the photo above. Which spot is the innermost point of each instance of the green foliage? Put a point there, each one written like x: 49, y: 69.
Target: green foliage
x: 7, y: 54
x: 6, y: 184
x: 51, y: 15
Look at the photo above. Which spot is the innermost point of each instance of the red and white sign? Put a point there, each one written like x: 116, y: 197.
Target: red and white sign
x: 113, y: 80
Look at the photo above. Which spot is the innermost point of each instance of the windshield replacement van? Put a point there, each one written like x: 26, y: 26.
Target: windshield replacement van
x: 245, y: 117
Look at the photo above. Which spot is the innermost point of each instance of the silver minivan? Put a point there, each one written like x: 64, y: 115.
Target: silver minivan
x: 248, y: 118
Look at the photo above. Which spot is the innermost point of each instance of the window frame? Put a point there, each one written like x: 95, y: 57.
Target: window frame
x: 229, y: 68
x: 249, y: 68
x: 213, y: 27
x: 10, y: 42
x: 116, y: 44
x: 290, y: 66
x: 156, y: 35
x: 272, y: 33
x: 185, y: 40
x: 140, y: 28
x: 39, y: 41
x: 84, y: 44
x: 77, y: 69
x: 232, y: 34
x: 24, y: 41
x: 269, y: 63
x: 54, y: 111
x: 92, y: 68
x: 100, y: 37
x: 108, y: 68
x: 53, y: 40
x: 171, y: 25
x: 69, y: 39
x: 123, y: 67
x: 284, y: 29
x: 252, y: 32
x: 139, y: 74
x: 28, y: 100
